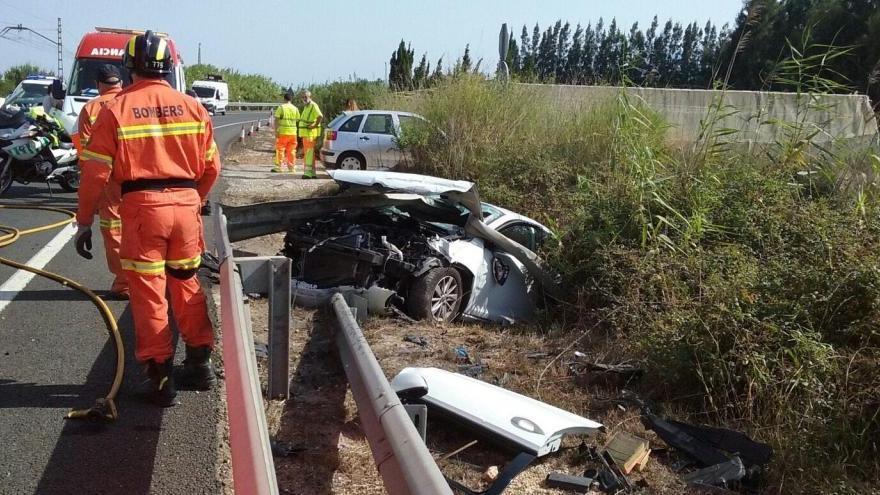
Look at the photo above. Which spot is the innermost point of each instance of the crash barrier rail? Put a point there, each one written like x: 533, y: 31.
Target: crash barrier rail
x: 253, y: 469
x: 399, y: 451
x: 243, y: 105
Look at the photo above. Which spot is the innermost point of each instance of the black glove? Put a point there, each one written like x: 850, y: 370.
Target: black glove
x: 84, y: 242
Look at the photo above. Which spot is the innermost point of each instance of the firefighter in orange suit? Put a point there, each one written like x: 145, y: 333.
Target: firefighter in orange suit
x: 109, y: 85
x: 158, y: 145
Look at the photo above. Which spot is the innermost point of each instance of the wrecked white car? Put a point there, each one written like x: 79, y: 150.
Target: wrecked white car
x: 429, y: 243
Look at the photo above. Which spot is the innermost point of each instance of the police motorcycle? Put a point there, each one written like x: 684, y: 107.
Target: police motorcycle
x: 34, y: 147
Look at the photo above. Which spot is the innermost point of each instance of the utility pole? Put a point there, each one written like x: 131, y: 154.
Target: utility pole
x: 200, y: 54
x: 60, y: 60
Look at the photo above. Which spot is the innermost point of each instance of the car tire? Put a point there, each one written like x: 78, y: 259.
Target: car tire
x: 351, y: 160
x: 437, y: 295
x: 69, y: 181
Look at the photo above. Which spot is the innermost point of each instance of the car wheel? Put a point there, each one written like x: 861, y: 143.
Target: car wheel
x: 436, y: 295
x: 351, y: 161
x: 69, y: 181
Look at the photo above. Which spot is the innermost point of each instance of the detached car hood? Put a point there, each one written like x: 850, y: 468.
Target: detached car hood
x: 369, y: 189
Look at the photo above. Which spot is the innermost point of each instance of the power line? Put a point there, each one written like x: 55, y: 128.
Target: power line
x: 58, y: 44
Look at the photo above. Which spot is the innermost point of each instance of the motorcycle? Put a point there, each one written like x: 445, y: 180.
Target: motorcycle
x: 36, y: 148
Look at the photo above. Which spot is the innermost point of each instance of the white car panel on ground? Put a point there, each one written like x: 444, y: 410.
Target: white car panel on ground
x: 521, y: 422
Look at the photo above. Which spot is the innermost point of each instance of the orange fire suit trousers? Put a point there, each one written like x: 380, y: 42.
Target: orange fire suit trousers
x: 161, y: 242
x: 309, y: 156
x: 111, y: 231
x: 285, y: 148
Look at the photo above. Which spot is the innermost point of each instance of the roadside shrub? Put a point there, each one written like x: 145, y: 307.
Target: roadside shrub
x: 332, y: 96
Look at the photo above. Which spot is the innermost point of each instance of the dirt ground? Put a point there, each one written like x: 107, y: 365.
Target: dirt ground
x: 320, y: 419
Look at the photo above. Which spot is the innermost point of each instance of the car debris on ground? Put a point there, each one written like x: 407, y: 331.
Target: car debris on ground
x: 628, y: 451
x: 527, y: 426
x: 417, y: 340
x: 723, y: 455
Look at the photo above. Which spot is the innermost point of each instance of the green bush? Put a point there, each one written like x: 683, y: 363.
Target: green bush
x: 332, y: 96
x: 242, y: 87
x: 732, y: 277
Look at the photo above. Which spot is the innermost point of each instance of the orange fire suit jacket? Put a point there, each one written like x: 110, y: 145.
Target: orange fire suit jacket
x: 149, y: 131
x: 89, y: 114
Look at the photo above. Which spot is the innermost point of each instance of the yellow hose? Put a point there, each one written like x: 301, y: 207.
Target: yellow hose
x: 105, y: 407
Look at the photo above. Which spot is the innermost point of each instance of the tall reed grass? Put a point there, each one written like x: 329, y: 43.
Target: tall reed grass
x: 747, y: 279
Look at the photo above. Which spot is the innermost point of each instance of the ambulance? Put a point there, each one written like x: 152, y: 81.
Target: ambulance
x: 106, y: 46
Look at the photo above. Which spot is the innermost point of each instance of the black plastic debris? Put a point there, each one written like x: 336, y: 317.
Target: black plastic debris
x: 417, y: 340
x: 699, y: 450
x: 717, y: 475
x: 751, y: 452
x: 724, y: 455
x: 281, y: 449
x: 473, y: 370
x: 568, y: 482
x: 609, y: 478
x: 261, y: 350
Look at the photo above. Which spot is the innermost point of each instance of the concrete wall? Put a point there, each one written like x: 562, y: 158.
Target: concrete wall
x: 847, y: 117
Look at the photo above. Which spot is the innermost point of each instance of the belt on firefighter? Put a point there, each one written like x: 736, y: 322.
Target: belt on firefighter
x: 156, y: 185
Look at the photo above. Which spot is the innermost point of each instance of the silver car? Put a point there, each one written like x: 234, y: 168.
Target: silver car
x: 366, y: 140
x: 405, y: 233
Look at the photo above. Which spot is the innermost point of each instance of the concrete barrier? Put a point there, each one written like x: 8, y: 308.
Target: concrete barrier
x: 752, y: 113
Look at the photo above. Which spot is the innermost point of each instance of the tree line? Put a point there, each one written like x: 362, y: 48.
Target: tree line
x: 694, y: 55
x: 16, y: 74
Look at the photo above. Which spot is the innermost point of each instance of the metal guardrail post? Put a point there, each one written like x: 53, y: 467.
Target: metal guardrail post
x: 253, y: 468
x: 271, y: 275
x: 279, y: 329
x: 401, y: 456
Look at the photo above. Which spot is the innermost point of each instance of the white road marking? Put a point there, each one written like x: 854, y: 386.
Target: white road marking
x: 236, y: 123
x: 19, y: 280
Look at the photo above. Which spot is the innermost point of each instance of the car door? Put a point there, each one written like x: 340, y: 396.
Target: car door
x: 347, y: 136
x: 376, y: 141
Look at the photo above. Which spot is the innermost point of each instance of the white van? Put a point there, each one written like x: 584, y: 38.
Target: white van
x: 213, y: 93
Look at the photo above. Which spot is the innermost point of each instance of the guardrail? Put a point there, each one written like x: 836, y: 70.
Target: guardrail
x: 398, y: 448
x: 243, y: 105
x: 253, y: 469
x: 401, y: 455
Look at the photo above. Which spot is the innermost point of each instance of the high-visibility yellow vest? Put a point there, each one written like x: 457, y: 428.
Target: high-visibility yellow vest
x: 309, y: 116
x: 286, y: 117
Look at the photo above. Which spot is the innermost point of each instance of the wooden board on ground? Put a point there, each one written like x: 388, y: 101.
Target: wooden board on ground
x: 627, y: 451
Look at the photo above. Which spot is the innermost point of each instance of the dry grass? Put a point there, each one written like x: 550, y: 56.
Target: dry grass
x: 505, y: 352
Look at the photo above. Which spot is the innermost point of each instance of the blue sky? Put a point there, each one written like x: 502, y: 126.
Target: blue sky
x: 298, y: 42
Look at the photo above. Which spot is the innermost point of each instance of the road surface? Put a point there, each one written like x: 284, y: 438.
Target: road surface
x: 55, y: 355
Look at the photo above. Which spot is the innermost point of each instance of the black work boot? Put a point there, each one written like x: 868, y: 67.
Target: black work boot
x: 198, y: 372
x: 162, y: 391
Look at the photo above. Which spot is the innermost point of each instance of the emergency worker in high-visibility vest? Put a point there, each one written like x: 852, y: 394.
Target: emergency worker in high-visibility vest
x: 286, y: 119
x: 309, y: 130
x: 158, y: 145
x: 109, y: 85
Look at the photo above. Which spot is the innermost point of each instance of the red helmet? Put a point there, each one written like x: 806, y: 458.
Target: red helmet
x: 148, y: 54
